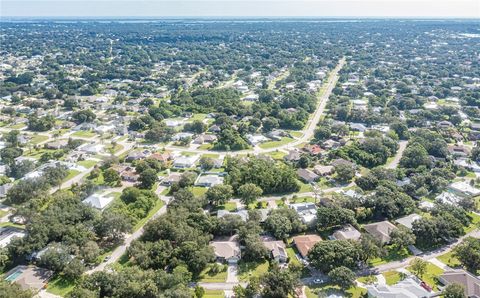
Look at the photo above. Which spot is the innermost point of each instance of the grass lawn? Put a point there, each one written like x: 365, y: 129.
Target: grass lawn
x: 250, y: 269
x: 207, y: 276
x: 278, y: 155
x: 449, y: 259
x: 71, y: 174
x: 154, y: 210
x: 214, y: 294
x: 296, y: 134
x: 198, y: 116
x: 3, y: 213
x: 60, y: 286
x: 292, y: 256
x: 328, y: 289
x: 392, y: 255
x: 431, y: 275
x: 367, y: 280
x: 83, y: 134
x: 88, y: 163
x: 392, y: 277
x: 205, y: 146
x: 475, y: 222
x: 229, y: 206
x: 11, y: 224
x: 273, y: 144
x: 38, y: 138
x: 304, y: 187
x: 18, y: 126
x: 302, y: 200
x: 199, y: 191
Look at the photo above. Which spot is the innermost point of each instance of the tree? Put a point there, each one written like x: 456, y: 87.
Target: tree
x: 219, y: 194
x: 342, y: 276
x: 327, y: 255
x: 454, y: 290
x: 83, y: 116
x: 323, y: 133
x: 249, y: 193
x: 111, y: 227
x: 148, y: 178
x: 278, y: 283
x: 18, y: 169
x: 40, y: 124
x: 199, y: 291
x: 468, y: 252
x: 283, y: 222
x: 74, y: 269
x: 402, y: 237
x: 8, y: 289
x: 414, y: 156
x: 418, y: 266
x: 111, y: 177
x: 206, y: 163
x: 328, y: 217
x: 12, y: 137
x: 345, y: 172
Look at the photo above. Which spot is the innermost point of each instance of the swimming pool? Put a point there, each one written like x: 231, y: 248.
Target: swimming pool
x: 14, y: 275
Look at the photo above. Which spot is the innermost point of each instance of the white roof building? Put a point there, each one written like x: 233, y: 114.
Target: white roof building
x: 407, y: 288
x: 464, y: 188
x: 184, y: 162
x: 306, y: 211
x: 98, y: 201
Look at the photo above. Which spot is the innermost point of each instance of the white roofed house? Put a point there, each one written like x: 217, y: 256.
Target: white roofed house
x: 306, y: 211
x: 93, y: 148
x: 209, y: 180
x: 464, y: 189
x: 348, y: 232
x: 185, y: 162
x: 407, y: 221
x: 98, y: 201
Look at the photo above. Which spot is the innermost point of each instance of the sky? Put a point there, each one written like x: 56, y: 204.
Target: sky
x: 237, y: 8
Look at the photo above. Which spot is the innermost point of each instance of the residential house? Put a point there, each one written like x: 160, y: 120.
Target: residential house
x: 8, y: 233
x: 256, y: 139
x: 171, y: 179
x: 464, y: 189
x: 307, y: 176
x: 277, y: 249
x: 98, y: 201
x: 380, y: 230
x: 469, y: 282
x: 444, y: 124
x: 161, y: 157
x: 292, y: 156
x: 407, y: 221
x: 137, y: 155
x: 447, y: 197
x: 4, y: 189
x: 58, y: 144
x: 306, y: 211
x: 458, y: 151
x: 209, y: 180
x: 185, y: 162
x: 348, y: 232
x: 323, y: 170
x: 92, y: 148
x: 227, y: 251
x: 305, y: 242
x: 207, y: 138
x: 313, y: 149
x: 407, y: 288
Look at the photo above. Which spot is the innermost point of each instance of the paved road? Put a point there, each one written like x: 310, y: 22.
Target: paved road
x: 396, y: 160
x: 307, y: 132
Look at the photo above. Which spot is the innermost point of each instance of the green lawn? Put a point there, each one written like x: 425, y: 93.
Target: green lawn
x: 11, y: 224
x: 214, y: 294
x: 38, y: 139
x: 229, y: 206
x: 273, y: 144
x: 88, y: 163
x: 278, y: 155
x: 205, y: 147
x: 475, y: 223
x: 71, y: 174
x: 60, y: 286
x: 3, y: 213
x: 211, y: 155
x: 304, y: 187
x: 449, y: 259
x: 392, y: 277
x: 431, y: 275
x: 292, y: 256
x: 154, y: 210
x: 251, y: 269
x: 207, y: 276
x: 18, y: 126
x: 198, y: 116
x: 296, y: 134
x: 84, y: 134
x: 199, y: 191
x: 328, y: 289
x: 302, y: 200
x: 367, y: 280
x: 392, y: 255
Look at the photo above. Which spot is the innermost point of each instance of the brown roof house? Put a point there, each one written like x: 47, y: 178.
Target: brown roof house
x: 29, y: 277
x: 227, y: 251
x: 380, y: 230
x: 469, y: 282
x: 305, y: 242
x: 307, y: 175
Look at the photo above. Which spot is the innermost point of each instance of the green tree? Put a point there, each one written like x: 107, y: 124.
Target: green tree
x: 468, y: 252
x: 454, y: 290
x: 327, y: 255
x: 345, y: 173
x: 418, y: 266
x: 278, y: 283
x: 148, y: 178
x: 342, y: 276
x: 402, y: 237
x: 111, y: 177
x: 249, y: 193
x: 219, y: 194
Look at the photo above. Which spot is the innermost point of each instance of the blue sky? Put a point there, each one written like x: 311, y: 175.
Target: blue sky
x: 199, y: 8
